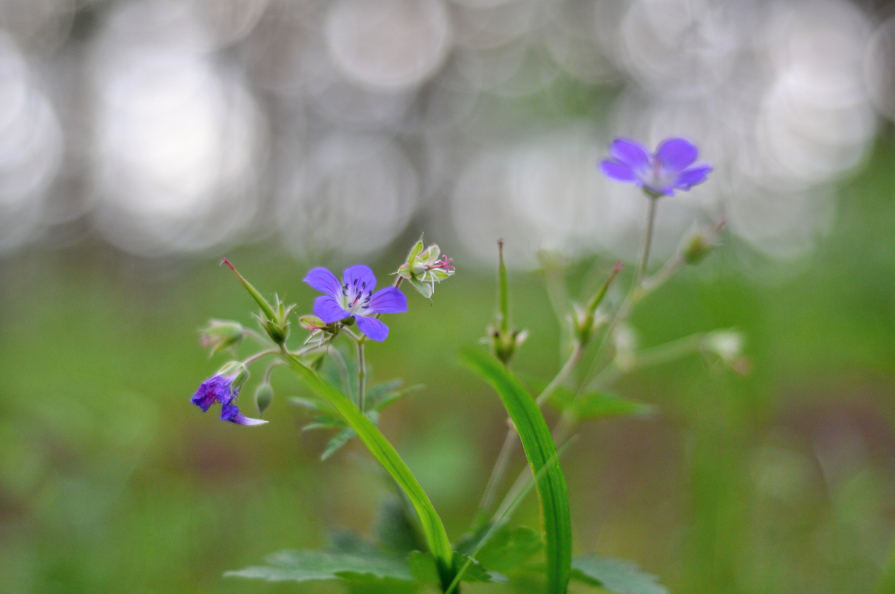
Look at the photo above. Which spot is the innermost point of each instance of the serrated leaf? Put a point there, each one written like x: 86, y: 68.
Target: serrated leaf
x: 540, y: 450
x: 599, y: 405
x: 430, y: 522
x: 378, y: 391
x: 395, y: 396
x: 476, y: 572
x: 616, y: 575
x: 304, y: 566
x: 324, y: 423
x: 394, y: 528
x: 509, y: 548
x: 423, y: 567
x: 337, y: 441
x: 306, y: 403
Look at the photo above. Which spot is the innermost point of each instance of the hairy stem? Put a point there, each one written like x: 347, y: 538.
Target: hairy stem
x: 361, y: 375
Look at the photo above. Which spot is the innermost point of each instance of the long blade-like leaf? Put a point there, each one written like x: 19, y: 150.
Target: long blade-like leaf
x: 385, y: 453
x: 540, y: 451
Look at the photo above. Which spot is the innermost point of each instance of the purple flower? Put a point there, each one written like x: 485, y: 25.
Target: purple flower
x: 354, y: 297
x: 224, y: 387
x: 230, y: 412
x: 214, y: 389
x: 663, y: 172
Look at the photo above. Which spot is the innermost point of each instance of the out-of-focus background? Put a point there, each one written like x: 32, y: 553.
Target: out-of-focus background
x: 142, y: 140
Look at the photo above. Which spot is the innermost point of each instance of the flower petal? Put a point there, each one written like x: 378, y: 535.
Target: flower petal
x: 676, y: 154
x: 389, y: 300
x: 327, y: 309
x: 691, y: 177
x: 630, y: 153
x: 366, y: 280
x: 618, y: 172
x: 214, y: 389
x: 372, y: 328
x: 324, y: 281
x: 231, y: 413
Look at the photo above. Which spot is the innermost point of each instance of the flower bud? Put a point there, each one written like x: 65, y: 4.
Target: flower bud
x: 727, y: 344
x: 220, y: 335
x: 701, y: 244
x: 263, y: 397
x: 625, y: 340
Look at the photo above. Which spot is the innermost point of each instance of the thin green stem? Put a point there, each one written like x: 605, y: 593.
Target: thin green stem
x: 259, y: 355
x: 361, y: 375
x: 634, y: 293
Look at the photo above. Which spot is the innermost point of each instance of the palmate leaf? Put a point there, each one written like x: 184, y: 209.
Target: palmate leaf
x: 597, y: 405
x: 304, y: 566
x: 430, y: 523
x: 510, y: 548
x: 615, y: 575
x: 540, y: 451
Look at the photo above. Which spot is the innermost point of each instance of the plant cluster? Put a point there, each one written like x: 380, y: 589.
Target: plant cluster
x: 412, y: 548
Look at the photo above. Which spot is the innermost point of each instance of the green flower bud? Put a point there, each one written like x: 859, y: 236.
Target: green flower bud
x: 701, y: 244
x: 263, y: 397
x: 220, y: 335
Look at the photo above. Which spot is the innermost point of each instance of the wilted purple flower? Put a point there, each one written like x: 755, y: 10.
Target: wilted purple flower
x: 224, y: 387
x: 214, y: 389
x: 663, y: 172
x: 354, y: 297
x: 230, y: 412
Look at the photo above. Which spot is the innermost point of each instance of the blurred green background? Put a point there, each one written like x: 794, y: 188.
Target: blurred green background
x: 778, y: 481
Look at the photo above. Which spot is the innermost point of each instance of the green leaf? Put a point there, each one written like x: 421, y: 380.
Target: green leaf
x: 597, y: 405
x: 615, y: 575
x: 430, y: 523
x: 540, y: 450
x: 422, y: 566
x: 324, y: 423
x: 476, y: 572
x: 509, y: 548
x: 337, y: 441
x: 394, y: 528
x: 394, y: 396
x: 304, y: 566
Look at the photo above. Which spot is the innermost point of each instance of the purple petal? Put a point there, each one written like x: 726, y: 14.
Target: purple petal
x: 324, y: 281
x: 231, y: 413
x: 676, y: 154
x: 327, y: 309
x: 214, y: 389
x: 390, y: 300
x: 372, y: 328
x: 627, y: 152
x: 366, y: 280
x: 693, y: 176
x: 617, y: 171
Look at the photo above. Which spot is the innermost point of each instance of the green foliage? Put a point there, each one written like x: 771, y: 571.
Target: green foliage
x: 540, y: 451
x: 597, y: 405
x: 510, y: 548
x: 615, y: 575
x: 430, y: 523
x: 304, y: 566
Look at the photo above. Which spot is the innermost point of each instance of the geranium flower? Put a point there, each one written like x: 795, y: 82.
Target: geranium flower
x: 354, y: 297
x: 224, y: 387
x: 663, y: 172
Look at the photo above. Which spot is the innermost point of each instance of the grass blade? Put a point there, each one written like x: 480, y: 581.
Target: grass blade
x: 540, y: 451
x: 384, y: 452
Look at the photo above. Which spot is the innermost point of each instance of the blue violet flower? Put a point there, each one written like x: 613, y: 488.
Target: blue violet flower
x: 663, y: 172
x: 354, y: 297
x: 224, y: 387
